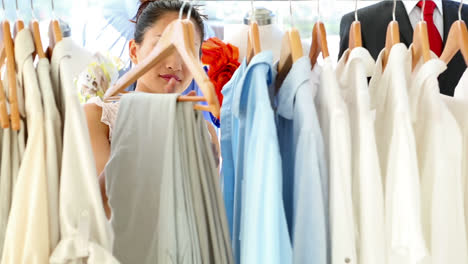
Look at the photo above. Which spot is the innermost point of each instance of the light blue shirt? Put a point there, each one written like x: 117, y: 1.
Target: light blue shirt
x: 305, y: 177
x: 229, y: 142
x: 260, y: 232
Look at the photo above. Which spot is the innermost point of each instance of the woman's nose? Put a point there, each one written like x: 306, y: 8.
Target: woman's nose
x: 174, y: 62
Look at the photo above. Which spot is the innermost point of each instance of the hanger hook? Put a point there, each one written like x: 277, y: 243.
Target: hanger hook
x: 189, y: 15
x: 422, y: 10
x: 291, y: 13
x: 394, y: 10
x: 53, y: 9
x: 252, y: 16
x: 459, y: 10
x: 17, y: 9
x: 182, y: 9
x: 3, y: 5
x: 32, y: 10
x: 318, y: 10
x: 355, y: 11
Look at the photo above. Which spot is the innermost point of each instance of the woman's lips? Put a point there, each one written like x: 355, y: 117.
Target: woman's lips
x: 168, y: 77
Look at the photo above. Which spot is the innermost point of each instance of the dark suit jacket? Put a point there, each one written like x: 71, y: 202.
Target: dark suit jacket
x: 374, y: 21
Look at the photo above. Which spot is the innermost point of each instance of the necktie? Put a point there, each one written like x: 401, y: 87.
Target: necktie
x: 435, y: 41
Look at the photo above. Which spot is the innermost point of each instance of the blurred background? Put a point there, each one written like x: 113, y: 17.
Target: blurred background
x: 104, y: 25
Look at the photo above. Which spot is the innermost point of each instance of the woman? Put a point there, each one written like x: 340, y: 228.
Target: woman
x: 169, y: 76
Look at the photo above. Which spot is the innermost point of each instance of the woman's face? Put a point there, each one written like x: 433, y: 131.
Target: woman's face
x: 157, y: 79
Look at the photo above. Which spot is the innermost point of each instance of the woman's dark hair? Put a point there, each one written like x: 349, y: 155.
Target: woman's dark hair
x: 150, y: 11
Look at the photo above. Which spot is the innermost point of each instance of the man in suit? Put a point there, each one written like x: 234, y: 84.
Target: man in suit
x: 439, y: 16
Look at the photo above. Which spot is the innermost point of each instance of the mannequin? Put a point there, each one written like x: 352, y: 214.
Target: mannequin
x: 270, y: 33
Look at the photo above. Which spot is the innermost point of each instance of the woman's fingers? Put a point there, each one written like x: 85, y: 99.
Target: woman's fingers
x: 192, y: 93
x: 171, y: 86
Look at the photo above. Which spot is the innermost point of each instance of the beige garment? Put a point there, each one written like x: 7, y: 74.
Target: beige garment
x: 53, y: 145
x: 27, y: 234
x: 5, y: 184
x: 86, y: 235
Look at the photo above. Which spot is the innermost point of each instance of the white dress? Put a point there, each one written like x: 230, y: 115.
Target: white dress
x: 366, y: 176
x: 397, y: 152
x: 27, y: 234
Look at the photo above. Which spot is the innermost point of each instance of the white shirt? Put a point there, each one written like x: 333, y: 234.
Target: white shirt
x: 458, y: 106
x: 334, y: 121
x: 461, y: 91
x: 29, y: 200
x: 439, y: 148
x: 397, y: 152
x: 367, y: 188
x: 85, y: 232
x: 414, y: 14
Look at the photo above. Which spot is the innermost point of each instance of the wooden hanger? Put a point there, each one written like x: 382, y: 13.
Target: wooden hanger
x: 176, y: 37
x: 11, y: 74
x: 291, y: 51
x: 392, y: 37
x: 34, y: 26
x: 253, y: 44
x: 420, y: 46
x: 457, y: 40
x: 4, y: 118
x: 55, y: 35
x: 319, y: 43
x: 355, y: 34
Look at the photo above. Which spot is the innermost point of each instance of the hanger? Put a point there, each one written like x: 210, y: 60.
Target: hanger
x: 19, y: 25
x: 55, y: 33
x: 11, y: 72
x: 457, y: 40
x: 4, y: 118
x: 34, y: 26
x: 319, y: 40
x: 253, y: 37
x: 393, y: 36
x: 9, y: 54
x: 421, y: 46
x: 355, y: 35
x: 176, y: 37
x: 291, y: 49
